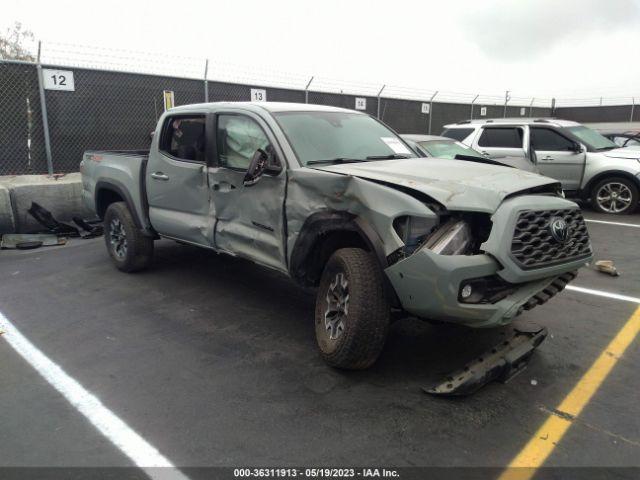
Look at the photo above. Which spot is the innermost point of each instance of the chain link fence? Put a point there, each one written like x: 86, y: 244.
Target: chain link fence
x: 109, y: 110
x: 21, y: 132
x: 113, y: 109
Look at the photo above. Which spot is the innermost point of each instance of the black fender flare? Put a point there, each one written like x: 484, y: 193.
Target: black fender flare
x: 329, y: 221
x: 117, y: 187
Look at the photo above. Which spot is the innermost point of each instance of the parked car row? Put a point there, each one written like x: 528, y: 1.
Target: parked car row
x: 627, y: 138
x: 588, y: 165
x: 443, y: 147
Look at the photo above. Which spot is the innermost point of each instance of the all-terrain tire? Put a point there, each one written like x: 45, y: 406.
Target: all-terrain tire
x: 120, y: 231
x: 366, y: 312
x: 626, y: 190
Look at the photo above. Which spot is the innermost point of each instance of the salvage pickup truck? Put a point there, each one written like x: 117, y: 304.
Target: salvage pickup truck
x: 336, y: 200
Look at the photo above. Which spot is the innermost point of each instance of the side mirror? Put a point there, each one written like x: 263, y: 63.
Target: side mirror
x: 261, y: 163
x: 577, y: 148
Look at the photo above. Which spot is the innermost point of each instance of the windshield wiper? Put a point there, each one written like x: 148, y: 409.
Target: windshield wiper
x: 335, y: 160
x: 393, y: 156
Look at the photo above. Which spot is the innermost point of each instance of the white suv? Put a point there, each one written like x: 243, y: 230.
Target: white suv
x: 587, y: 164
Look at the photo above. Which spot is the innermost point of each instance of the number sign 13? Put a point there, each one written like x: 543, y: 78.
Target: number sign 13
x: 58, y: 79
x: 258, y: 95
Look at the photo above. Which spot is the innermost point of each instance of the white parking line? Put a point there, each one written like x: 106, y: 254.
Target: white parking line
x: 600, y: 293
x: 620, y: 224
x: 143, y: 454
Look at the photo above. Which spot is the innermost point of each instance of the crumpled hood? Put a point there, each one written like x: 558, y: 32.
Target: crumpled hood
x: 457, y: 184
x: 627, y: 152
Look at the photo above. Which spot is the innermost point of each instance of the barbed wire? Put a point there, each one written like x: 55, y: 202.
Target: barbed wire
x: 132, y: 61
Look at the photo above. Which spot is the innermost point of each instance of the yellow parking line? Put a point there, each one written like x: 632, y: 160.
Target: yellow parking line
x: 547, y: 437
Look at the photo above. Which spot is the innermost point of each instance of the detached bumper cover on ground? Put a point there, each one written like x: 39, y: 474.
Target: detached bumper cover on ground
x: 501, y: 363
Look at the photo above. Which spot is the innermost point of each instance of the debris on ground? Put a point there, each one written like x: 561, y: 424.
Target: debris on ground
x: 534, y: 382
x: 56, y: 231
x: 25, y: 241
x: 88, y: 229
x: 607, y: 266
x: 79, y: 228
x: 45, y: 218
x: 501, y: 363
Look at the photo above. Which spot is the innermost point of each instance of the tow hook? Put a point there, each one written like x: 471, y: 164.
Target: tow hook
x: 500, y: 363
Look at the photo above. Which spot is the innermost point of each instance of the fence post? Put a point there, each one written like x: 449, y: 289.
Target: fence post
x: 206, y: 83
x: 43, y: 111
x: 633, y: 106
x: 472, y: 102
x: 380, y: 93
x: 506, y: 99
x: 306, y: 90
x: 531, y: 106
x: 431, y: 109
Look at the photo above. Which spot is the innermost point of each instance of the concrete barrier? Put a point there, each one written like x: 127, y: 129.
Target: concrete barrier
x: 7, y: 222
x: 61, y: 196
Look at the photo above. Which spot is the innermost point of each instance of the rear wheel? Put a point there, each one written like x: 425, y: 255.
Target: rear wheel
x: 615, y: 195
x: 129, y: 249
x: 352, y: 314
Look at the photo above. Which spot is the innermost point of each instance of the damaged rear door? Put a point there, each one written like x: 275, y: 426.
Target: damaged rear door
x: 249, y: 218
x: 176, y: 180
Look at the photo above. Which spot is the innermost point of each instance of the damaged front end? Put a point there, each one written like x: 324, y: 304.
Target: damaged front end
x: 446, y: 270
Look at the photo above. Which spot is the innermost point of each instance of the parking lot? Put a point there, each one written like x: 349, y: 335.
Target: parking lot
x: 211, y: 361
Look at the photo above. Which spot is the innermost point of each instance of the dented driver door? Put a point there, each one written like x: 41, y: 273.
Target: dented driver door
x: 249, y: 219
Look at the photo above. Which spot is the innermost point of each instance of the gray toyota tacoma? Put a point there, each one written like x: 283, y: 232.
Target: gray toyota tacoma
x: 336, y: 200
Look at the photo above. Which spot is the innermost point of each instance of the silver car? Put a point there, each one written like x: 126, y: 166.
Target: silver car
x: 443, y: 147
x: 588, y: 165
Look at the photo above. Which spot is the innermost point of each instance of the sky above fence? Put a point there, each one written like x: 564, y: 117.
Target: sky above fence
x: 572, y: 49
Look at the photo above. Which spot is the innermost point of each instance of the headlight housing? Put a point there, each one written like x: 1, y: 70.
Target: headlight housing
x: 452, y: 238
x: 459, y: 233
x: 413, y: 230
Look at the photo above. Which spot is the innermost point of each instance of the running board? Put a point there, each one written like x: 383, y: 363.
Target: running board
x: 501, y: 363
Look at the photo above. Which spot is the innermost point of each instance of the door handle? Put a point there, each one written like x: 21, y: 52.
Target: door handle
x: 223, y: 186
x: 159, y: 176
x: 548, y: 158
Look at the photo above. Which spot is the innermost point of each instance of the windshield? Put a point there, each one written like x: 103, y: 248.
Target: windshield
x: 326, y: 136
x: 448, y: 149
x: 591, y: 138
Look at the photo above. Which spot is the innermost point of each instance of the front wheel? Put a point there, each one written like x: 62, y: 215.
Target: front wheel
x: 129, y: 249
x: 352, y: 312
x: 615, y: 195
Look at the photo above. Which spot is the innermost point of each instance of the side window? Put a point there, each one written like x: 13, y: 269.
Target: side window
x: 547, y: 140
x: 509, y: 137
x: 184, y: 138
x: 238, y: 137
x: 457, y: 133
x: 632, y: 142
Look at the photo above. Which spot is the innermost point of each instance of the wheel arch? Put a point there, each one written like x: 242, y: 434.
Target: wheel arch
x: 586, y: 192
x: 327, y: 231
x: 110, y: 191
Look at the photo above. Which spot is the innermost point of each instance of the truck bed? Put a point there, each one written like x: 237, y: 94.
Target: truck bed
x: 120, y: 171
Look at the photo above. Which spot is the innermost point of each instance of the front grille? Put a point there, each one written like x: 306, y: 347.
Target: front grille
x: 534, y: 246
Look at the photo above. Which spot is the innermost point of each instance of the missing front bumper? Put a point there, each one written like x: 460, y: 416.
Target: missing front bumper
x: 500, y: 363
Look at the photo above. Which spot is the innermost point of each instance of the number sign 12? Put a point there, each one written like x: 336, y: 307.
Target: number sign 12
x: 58, y: 79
